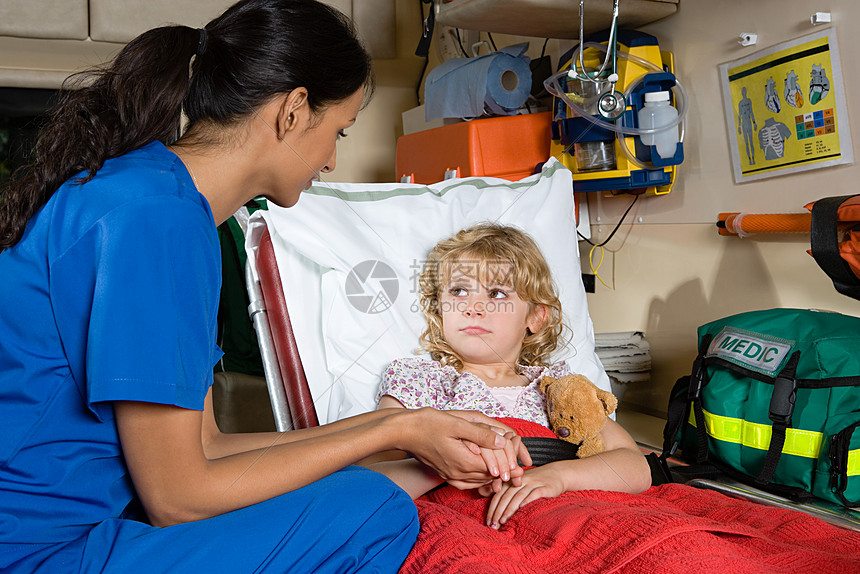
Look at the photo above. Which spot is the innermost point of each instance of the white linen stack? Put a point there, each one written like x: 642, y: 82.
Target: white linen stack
x: 626, y: 357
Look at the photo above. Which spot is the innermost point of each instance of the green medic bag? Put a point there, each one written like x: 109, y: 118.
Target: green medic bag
x: 774, y: 396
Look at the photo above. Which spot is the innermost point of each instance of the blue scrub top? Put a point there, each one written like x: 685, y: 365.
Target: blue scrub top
x: 111, y: 294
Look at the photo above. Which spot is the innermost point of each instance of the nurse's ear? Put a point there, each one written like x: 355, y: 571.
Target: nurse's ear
x: 292, y: 111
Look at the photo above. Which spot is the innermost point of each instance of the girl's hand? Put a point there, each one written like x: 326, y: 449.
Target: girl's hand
x: 505, y: 463
x: 498, y: 459
x: 452, y: 445
x: 541, y: 482
x: 497, y: 462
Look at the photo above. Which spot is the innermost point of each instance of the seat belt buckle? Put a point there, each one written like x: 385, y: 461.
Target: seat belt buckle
x: 782, y: 400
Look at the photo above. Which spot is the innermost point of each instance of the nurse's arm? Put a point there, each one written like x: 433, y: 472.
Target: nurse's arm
x: 178, y: 482
x: 217, y: 444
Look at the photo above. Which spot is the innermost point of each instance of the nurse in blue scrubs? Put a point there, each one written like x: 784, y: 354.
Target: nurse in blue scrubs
x: 110, y: 459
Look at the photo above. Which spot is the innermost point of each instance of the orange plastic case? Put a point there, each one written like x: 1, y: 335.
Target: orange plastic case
x: 508, y: 147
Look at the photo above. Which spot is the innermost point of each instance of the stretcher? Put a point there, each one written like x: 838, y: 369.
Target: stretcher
x: 729, y: 523
x: 286, y: 382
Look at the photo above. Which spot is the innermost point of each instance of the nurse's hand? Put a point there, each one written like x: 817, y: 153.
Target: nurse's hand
x: 503, y: 461
x: 465, y: 449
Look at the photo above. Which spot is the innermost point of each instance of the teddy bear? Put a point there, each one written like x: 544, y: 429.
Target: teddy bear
x: 577, y: 411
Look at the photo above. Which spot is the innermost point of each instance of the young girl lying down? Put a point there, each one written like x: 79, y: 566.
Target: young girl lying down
x: 493, y: 319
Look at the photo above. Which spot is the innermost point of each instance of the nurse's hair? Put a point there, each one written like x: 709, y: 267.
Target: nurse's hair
x: 218, y: 76
x: 491, y: 254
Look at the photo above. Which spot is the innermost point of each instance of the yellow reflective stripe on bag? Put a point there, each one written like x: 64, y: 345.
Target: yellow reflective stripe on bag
x: 853, y: 462
x: 756, y: 435
x: 798, y: 442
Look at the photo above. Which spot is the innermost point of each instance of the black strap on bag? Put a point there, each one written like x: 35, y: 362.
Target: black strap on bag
x: 824, y: 241
x: 780, y: 411
x: 839, y: 448
x: 676, y: 415
x: 686, y: 394
x: 694, y: 396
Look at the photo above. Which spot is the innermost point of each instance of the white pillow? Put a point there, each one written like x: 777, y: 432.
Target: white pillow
x: 350, y: 254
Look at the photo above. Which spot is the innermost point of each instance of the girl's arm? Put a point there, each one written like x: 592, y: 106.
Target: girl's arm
x: 183, y: 470
x: 621, y: 467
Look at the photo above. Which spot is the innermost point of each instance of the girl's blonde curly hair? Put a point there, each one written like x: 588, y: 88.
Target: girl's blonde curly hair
x: 491, y: 253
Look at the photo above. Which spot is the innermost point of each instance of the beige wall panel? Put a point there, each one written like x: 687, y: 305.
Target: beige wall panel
x: 34, y: 63
x: 44, y: 19
x: 122, y: 20
x: 367, y: 154
x: 376, y: 22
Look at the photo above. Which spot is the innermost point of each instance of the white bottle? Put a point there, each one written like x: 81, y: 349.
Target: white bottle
x: 655, y: 113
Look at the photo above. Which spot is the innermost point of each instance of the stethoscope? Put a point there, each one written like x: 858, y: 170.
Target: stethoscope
x: 611, y: 104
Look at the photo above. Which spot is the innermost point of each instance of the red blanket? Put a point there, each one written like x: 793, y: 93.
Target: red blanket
x: 667, y: 529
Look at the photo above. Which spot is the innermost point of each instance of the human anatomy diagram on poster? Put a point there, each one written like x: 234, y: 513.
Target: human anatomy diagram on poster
x: 785, y: 108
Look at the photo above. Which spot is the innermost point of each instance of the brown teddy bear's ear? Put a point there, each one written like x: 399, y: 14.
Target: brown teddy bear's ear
x: 610, y: 403
x: 545, y: 382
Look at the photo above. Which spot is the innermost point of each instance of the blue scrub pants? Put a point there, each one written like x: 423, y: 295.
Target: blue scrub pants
x: 354, y: 520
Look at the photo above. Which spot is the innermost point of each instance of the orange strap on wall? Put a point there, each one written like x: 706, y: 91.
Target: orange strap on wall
x: 744, y: 224
x: 833, y: 226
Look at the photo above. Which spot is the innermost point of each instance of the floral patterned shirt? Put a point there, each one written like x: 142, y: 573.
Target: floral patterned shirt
x: 422, y: 382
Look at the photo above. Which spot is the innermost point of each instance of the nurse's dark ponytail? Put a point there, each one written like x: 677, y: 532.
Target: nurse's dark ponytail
x: 253, y: 52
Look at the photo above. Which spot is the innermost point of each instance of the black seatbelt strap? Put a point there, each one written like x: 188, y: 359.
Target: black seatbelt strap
x: 544, y: 450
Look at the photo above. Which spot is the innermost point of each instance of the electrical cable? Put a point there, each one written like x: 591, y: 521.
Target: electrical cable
x: 460, y: 43
x: 490, y: 36
x: 599, y: 263
x: 426, y: 58
x: 617, y: 226
x: 543, y: 50
x: 594, y: 246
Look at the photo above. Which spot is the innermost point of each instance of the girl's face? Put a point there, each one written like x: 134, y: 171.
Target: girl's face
x: 485, y: 323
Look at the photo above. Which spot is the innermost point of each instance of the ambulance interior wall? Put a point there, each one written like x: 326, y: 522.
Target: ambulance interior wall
x: 669, y: 269
x: 673, y: 272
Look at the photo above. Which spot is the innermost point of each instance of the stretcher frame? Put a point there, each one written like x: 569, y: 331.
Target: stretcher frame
x: 292, y: 403
x: 293, y: 407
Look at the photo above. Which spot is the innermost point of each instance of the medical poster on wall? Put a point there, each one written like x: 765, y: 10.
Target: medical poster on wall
x: 785, y: 108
